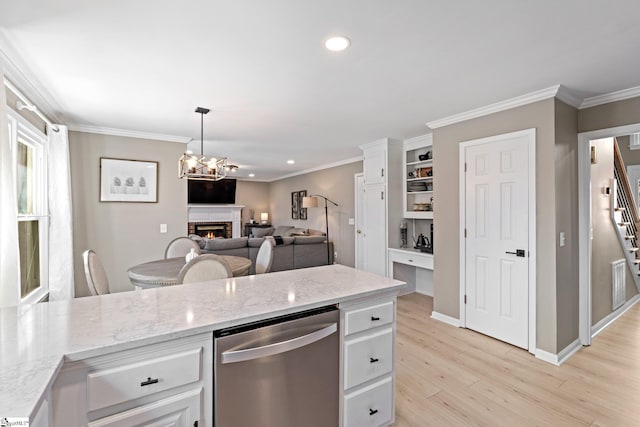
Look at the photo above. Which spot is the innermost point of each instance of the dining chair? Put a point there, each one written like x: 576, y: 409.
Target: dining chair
x: 97, y: 280
x: 264, y: 259
x: 204, y: 267
x: 180, y: 246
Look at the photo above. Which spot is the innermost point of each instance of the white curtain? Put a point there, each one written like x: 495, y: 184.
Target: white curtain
x: 61, y: 219
x: 9, y: 257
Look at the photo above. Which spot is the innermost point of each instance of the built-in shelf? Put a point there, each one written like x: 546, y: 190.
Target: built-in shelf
x: 418, y: 201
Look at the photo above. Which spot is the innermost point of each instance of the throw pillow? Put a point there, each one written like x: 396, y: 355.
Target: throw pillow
x: 295, y: 232
x: 261, y: 232
x: 282, y: 229
x: 199, y: 240
x: 316, y: 233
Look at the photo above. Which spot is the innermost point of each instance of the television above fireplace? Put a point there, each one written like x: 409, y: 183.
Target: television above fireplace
x: 211, y: 192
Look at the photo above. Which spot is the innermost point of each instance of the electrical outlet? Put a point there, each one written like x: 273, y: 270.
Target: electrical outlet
x: 335, y: 256
x: 163, y: 228
x: 352, y: 221
x: 562, y: 239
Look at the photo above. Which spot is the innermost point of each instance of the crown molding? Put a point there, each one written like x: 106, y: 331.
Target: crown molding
x: 518, y: 101
x: 14, y: 71
x: 620, y: 95
x: 568, y: 98
x: 319, y: 168
x: 128, y: 133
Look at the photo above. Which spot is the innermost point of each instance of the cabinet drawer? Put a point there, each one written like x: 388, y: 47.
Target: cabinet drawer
x: 368, y: 357
x: 135, y: 380
x: 180, y: 410
x: 370, y: 406
x: 368, y: 317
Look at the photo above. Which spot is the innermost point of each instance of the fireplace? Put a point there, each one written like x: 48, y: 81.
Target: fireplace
x: 229, y: 215
x: 212, y: 230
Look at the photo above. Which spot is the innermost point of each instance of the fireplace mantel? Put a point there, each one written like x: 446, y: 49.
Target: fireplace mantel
x: 217, y: 213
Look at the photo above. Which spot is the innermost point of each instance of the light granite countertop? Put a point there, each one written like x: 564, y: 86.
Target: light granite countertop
x: 35, y: 341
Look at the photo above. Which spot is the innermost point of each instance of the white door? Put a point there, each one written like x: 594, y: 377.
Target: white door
x: 375, y: 239
x: 497, y: 242
x: 359, y: 190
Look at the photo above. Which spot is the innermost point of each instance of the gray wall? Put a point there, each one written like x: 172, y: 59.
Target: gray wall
x: 566, y: 190
x: 253, y: 196
x: 446, y: 140
x: 337, y: 184
x: 123, y: 234
x: 630, y: 157
x: 609, y: 115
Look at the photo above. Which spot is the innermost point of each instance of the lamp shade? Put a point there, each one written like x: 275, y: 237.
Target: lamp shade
x: 264, y: 216
x: 310, y: 202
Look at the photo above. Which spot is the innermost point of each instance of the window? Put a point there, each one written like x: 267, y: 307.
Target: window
x: 28, y: 146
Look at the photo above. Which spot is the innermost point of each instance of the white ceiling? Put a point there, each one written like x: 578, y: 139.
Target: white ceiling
x: 276, y: 93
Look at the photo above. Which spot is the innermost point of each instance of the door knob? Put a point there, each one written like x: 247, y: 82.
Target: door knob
x: 518, y: 252
x: 359, y: 231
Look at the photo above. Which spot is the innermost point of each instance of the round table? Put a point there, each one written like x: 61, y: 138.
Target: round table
x: 164, y: 272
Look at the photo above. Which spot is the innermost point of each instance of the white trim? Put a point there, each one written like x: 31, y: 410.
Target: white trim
x: 561, y: 357
x: 612, y: 317
x: 518, y: 101
x: 446, y: 319
x: 29, y: 86
x: 356, y: 213
x: 568, y: 98
x: 531, y: 135
x: 128, y: 133
x: 620, y: 95
x: 584, y: 222
x: 418, y: 141
x: 319, y: 168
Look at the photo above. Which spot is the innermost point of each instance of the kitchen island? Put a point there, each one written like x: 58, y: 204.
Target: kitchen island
x: 37, y: 342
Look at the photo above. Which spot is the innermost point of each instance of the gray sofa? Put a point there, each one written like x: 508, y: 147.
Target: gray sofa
x: 290, y: 252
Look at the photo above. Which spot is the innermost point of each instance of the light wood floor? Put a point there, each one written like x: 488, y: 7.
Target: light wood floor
x: 449, y: 376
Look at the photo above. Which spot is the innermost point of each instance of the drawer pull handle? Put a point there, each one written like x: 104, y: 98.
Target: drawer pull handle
x: 410, y: 260
x: 149, y: 381
x: 373, y: 411
x: 374, y: 318
x: 372, y: 360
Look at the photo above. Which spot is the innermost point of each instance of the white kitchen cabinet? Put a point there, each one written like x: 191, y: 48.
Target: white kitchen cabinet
x: 382, y: 202
x: 42, y: 415
x: 417, y: 192
x: 176, y: 411
x: 368, y: 337
x: 169, y: 383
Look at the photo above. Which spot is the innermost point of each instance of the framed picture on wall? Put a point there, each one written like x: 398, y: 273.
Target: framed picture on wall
x: 128, y: 181
x: 294, y: 205
x: 303, y: 211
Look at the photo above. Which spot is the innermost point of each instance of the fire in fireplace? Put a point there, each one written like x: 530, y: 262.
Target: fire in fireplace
x: 211, y: 230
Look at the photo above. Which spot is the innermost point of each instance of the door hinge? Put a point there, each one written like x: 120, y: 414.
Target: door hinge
x: 465, y: 166
x: 465, y: 233
x: 382, y: 172
x: 465, y: 298
x: 382, y: 195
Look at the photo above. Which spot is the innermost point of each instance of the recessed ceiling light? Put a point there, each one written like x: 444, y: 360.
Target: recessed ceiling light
x: 251, y: 175
x: 338, y: 43
x: 291, y: 161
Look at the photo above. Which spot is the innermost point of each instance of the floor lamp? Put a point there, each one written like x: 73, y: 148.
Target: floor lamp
x: 312, y: 202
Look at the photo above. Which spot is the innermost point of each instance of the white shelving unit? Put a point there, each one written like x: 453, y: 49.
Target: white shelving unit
x: 418, y: 178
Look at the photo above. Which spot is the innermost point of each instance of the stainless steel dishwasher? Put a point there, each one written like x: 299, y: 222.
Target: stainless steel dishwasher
x: 279, y: 373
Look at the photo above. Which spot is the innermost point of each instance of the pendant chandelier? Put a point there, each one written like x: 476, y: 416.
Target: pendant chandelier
x: 201, y: 167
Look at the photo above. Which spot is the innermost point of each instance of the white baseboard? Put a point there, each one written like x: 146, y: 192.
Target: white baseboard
x: 446, y: 319
x: 607, y: 320
x: 562, y: 356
